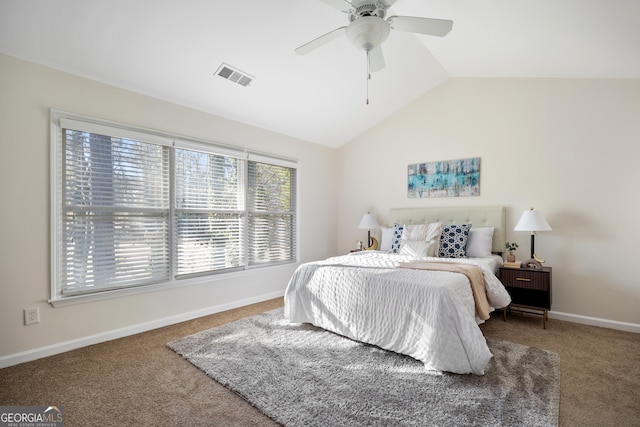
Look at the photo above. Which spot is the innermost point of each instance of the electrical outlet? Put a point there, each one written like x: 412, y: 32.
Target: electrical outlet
x: 31, y: 315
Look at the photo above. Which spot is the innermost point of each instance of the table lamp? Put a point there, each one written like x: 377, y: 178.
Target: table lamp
x: 532, y: 221
x: 368, y: 222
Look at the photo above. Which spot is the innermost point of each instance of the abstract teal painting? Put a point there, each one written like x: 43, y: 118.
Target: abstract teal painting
x: 449, y: 178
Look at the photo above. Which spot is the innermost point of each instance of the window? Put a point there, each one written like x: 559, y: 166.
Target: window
x: 115, y: 212
x: 132, y: 208
x: 271, y: 210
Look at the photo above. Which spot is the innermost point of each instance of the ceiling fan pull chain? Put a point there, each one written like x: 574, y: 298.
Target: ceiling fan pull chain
x: 368, y: 74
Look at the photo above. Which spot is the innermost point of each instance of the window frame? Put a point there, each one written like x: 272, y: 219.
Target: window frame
x: 251, y: 212
x: 174, y: 141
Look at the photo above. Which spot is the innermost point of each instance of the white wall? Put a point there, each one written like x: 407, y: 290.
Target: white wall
x: 570, y: 148
x: 27, y: 93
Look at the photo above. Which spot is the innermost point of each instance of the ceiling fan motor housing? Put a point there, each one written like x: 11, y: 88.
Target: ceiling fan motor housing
x: 364, y: 8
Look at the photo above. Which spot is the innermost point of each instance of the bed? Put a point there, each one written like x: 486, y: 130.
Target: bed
x: 407, y: 301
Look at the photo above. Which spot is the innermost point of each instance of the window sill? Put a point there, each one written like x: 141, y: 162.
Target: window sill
x: 120, y: 293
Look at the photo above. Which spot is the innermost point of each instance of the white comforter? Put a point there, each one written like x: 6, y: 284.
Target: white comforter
x: 428, y: 315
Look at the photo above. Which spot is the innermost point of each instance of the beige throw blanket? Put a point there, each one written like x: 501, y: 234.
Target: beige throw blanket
x: 473, y: 273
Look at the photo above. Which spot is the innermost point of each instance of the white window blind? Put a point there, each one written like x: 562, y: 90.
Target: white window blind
x: 115, y: 212
x: 209, y: 211
x: 133, y: 207
x: 271, y: 206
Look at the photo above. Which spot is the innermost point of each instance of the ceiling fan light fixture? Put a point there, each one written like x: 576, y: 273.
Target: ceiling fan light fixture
x: 368, y: 32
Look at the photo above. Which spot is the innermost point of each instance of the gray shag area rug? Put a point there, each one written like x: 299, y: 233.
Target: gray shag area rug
x: 301, y: 375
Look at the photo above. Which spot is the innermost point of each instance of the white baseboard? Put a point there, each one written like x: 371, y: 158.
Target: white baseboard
x: 38, y: 353
x: 50, y: 350
x: 594, y: 321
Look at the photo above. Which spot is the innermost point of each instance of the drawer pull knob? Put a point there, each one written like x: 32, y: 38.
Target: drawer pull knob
x: 523, y: 279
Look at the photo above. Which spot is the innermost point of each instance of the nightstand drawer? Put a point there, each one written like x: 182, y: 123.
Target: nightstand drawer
x: 527, y: 279
x: 528, y: 287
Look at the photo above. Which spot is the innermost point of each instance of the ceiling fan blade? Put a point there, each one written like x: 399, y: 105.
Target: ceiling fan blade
x: 316, y: 43
x: 376, y: 59
x: 342, y: 5
x: 413, y: 24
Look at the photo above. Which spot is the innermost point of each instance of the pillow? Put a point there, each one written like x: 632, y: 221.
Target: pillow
x: 453, y: 241
x: 396, y: 238
x: 421, y: 240
x: 480, y: 242
x: 386, y: 239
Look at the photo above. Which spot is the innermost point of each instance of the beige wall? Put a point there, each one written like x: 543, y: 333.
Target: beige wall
x: 567, y: 147
x: 570, y: 148
x: 27, y: 93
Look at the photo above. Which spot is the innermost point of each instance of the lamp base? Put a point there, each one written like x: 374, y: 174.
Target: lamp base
x: 534, y: 256
x: 532, y: 263
x: 373, y: 244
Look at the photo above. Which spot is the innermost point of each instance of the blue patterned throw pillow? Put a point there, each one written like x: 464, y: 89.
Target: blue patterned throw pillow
x: 453, y: 241
x: 396, y: 238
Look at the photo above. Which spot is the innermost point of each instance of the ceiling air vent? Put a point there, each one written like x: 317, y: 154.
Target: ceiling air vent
x: 230, y: 73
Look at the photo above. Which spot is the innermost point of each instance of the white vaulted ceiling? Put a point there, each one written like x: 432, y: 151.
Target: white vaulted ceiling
x: 171, y: 50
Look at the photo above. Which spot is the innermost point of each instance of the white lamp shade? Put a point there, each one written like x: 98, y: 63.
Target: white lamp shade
x: 532, y: 220
x: 368, y: 222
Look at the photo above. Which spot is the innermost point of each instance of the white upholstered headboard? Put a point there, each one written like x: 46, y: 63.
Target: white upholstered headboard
x: 477, y: 216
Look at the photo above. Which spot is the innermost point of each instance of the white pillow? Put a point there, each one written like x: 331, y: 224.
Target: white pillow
x: 422, y: 240
x: 386, y: 238
x: 480, y: 242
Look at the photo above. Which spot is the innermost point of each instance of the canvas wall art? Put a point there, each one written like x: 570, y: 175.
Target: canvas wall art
x: 449, y: 178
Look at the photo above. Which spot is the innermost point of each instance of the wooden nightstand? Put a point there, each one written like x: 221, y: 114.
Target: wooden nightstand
x: 530, y: 290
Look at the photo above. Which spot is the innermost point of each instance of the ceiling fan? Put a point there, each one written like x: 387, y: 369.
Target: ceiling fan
x: 368, y: 28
